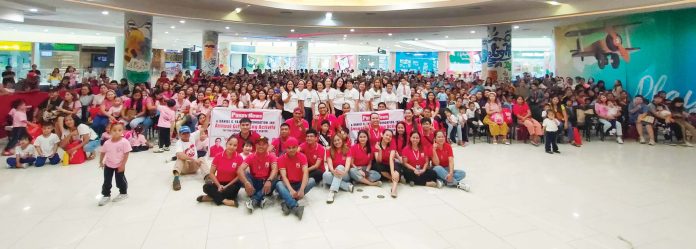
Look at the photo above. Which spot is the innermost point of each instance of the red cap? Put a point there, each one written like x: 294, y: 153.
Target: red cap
x: 297, y: 109
x: 291, y: 142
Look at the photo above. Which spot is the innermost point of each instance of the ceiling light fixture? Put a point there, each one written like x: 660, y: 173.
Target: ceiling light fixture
x: 237, y: 10
x: 447, y: 37
x: 553, y: 2
x: 345, y: 36
x: 473, y: 31
x: 244, y: 38
x: 105, y: 13
x: 172, y: 27
x: 390, y: 34
x: 236, y: 33
x: 300, y: 38
x: 182, y: 21
x: 292, y: 31
x: 33, y: 10
x: 228, y: 27
x: 516, y: 27
x: 329, y: 15
x: 166, y: 32
x: 352, y: 30
x: 415, y: 39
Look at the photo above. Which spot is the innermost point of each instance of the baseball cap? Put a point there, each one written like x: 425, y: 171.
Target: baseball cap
x: 184, y: 129
x: 291, y: 142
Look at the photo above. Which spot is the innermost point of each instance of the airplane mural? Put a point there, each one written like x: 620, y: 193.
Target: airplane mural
x: 608, y: 50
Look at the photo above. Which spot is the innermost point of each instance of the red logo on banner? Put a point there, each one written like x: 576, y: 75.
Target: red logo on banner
x: 250, y: 115
x: 382, y: 116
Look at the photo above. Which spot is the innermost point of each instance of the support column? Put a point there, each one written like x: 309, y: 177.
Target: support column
x: 225, y: 58
x: 186, y: 59
x: 137, y: 47
x: 118, y: 55
x: 302, y: 54
x: 209, y: 59
x: 496, y: 53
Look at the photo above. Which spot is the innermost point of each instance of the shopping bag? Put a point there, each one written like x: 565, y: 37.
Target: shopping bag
x: 576, y: 136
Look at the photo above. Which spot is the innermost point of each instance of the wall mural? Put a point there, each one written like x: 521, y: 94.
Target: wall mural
x: 210, y: 52
x: 647, y: 52
x: 137, y: 54
x: 498, y: 52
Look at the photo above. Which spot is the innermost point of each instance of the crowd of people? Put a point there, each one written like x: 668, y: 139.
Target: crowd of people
x: 314, y: 147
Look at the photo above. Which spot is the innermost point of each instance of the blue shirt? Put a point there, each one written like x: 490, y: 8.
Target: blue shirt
x: 442, y: 96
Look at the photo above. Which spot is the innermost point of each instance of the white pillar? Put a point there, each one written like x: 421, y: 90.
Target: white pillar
x: 118, y: 57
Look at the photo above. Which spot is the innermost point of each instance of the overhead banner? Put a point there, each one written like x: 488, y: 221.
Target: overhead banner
x: 356, y: 121
x: 225, y: 122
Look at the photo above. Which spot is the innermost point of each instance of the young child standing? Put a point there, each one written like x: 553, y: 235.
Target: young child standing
x: 550, y: 125
x: 24, y: 154
x: 113, y: 158
x: 47, y: 146
x: 164, y: 124
x: 19, y: 125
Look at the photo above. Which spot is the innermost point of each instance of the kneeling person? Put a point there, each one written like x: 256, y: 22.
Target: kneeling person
x: 187, y: 160
x: 295, y: 178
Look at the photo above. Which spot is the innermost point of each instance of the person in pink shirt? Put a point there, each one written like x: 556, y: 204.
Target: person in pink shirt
x: 19, y: 125
x: 113, y: 158
x: 138, y: 141
x: 164, y: 125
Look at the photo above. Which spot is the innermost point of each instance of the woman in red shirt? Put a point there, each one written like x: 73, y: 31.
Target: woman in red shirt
x: 225, y: 185
x: 416, y: 161
x: 338, y: 162
x: 385, y: 156
x: 443, y: 163
x: 410, y: 121
x: 524, y: 117
x: 400, y: 139
x: 361, y: 158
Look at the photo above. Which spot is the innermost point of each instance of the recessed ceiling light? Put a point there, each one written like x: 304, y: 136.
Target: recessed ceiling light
x: 345, y: 36
x: 292, y: 31
x: 172, y: 27
x: 105, y: 12
x: 182, y: 21
x: 415, y: 38
x: 300, y: 38
x: 473, y: 32
x: 33, y: 10
x: 329, y: 15
x: 237, y: 10
x: 45, y: 30
x: 516, y: 27
x: 227, y: 27
x: 352, y: 30
x: 390, y: 34
x: 553, y: 3
x: 447, y: 36
x: 236, y: 33
x: 166, y: 32
x: 545, y: 36
x: 244, y: 38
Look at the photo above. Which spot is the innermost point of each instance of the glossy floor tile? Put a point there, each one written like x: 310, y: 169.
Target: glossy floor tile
x: 602, y: 195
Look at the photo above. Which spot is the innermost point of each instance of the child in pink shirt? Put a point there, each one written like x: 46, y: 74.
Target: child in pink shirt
x: 113, y: 158
x: 19, y: 125
x: 164, y: 124
x: 138, y: 141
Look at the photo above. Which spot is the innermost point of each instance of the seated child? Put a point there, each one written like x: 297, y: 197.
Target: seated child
x: 138, y: 141
x: 246, y: 150
x: 24, y: 154
x: 46, y: 146
x: 106, y: 135
x: 201, y: 143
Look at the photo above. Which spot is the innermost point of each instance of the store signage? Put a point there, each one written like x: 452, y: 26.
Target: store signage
x: 58, y: 47
x: 15, y: 46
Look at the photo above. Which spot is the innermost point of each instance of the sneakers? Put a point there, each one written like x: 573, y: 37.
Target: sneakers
x: 687, y: 144
x: 166, y: 148
x: 157, y: 150
x: 249, y: 204
x: 619, y: 140
x: 285, y: 208
x: 120, y: 197
x: 330, y: 199
x: 264, y: 203
x: 298, y: 211
x: 641, y: 140
x: 652, y: 142
x: 176, y: 185
x: 104, y: 200
x: 464, y: 186
x: 440, y: 184
x: 378, y: 183
x: 351, y: 187
x: 612, y: 132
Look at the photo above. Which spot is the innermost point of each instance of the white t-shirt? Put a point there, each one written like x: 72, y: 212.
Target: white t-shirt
x: 320, y: 97
x: 292, y: 103
x: 239, y: 105
x: 82, y: 129
x: 350, y: 97
x: 188, y: 148
x: 550, y: 125
x: 390, y: 99
x: 337, y: 98
x: 374, y: 96
x: 29, y: 151
x: 46, y: 144
x: 310, y: 97
x: 258, y: 104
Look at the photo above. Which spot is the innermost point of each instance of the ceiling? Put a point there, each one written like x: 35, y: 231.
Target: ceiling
x: 355, y: 22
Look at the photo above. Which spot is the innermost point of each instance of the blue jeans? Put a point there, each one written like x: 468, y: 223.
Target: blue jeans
x: 99, y: 123
x: 91, y: 146
x: 12, y: 161
x: 285, y: 193
x: 453, y: 136
x: 570, y: 132
x: 442, y: 173
x: 336, y: 183
x: 53, y: 160
x: 145, y: 121
x: 371, y: 175
x: 258, y: 188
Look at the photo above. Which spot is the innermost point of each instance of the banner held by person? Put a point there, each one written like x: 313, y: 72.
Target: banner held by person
x: 356, y: 121
x: 225, y: 122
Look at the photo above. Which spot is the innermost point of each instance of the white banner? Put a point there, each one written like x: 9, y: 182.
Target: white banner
x: 356, y: 121
x: 225, y: 122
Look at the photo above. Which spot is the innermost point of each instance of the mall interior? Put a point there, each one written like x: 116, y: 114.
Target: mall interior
x: 498, y: 70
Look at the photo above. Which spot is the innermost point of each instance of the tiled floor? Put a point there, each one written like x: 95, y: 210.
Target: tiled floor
x: 603, y: 195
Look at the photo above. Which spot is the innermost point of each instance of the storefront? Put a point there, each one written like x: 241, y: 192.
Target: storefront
x: 17, y: 55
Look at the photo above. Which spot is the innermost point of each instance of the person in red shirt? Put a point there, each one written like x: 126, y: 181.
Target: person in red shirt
x: 316, y: 155
x: 427, y: 133
x: 225, y: 185
x: 279, y: 145
x: 428, y: 114
x: 415, y: 160
x: 361, y: 157
x: 258, y: 182
x: 338, y: 162
x: 416, y: 104
x: 216, y: 148
x: 374, y: 130
x: 298, y: 126
x: 295, y: 179
x: 385, y: 156
x: 341, y: 120
x: 323, y: 115
x: 400, y: 138
x: 410, y: 121
x: 246, y: 134
x: 443, y: 163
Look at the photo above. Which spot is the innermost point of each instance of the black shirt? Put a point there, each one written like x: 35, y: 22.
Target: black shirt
x: 8, y: 77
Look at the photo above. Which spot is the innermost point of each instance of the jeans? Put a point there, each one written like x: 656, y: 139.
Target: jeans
x: 145, y: 121
x: 335, y: 182
x: 12, y: 161
x: 607, y: 125
x: 15, y: 135
x: 121, y: 181
x: 285, y: 193
x: 442, y: 173
x: 371, y: 175
x: 53, y: 160
x: 229, y: 193
x: 99, y: 123
x: 164, y: 137
x: 258, y: 188
x: 570, y: 132
x: 550, y: 141
x: 453, y: 135
x: 91, y: 146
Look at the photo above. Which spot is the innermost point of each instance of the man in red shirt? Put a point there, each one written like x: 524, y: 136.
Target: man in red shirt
x: 323, y: 115
x: 374, y: 130
x: 279, y: 145
x: 316, y: 155
x: 341, y: 120
x: 427, y: 134
x: 298, y: 126
x: 246, y: 134
x: 263, y: 170
x: 295, y: 179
